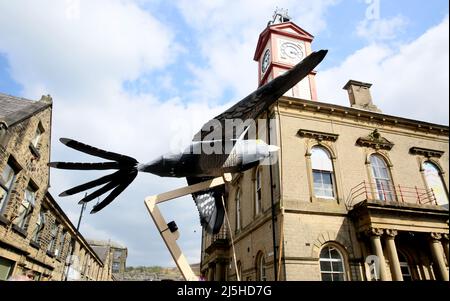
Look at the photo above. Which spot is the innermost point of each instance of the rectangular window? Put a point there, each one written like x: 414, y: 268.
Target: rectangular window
x: 37, y: 137
x: 40, y: 224
x: 7, y: 178
x: 53, y: 234
x: 26, y: 208
x: 6, y: 267
x: 59, y: 248
x: 323, y: 184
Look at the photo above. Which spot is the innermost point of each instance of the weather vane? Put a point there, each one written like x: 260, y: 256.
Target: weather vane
x: 279, y: 16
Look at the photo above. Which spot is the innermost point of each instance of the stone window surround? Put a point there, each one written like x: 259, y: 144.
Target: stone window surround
x: 329, y: 147
x: 344, y: 256
x: 17, y: 169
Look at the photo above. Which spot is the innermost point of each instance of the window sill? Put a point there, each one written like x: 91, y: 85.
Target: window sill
x: 35, y: 244
x: 35, y: 151
x: 4, y: 220
x: 19, y: 230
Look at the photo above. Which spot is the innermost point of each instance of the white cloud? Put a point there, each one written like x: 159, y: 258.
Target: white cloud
x: 381, y: 29
x: 409, y: 81
x: 82, y: 60
x: 49, y: 48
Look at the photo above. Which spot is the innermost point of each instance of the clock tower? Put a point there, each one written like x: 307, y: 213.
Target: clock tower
x: 281, y: 46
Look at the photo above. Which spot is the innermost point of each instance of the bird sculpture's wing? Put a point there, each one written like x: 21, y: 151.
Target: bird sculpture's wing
x: 209, y: 202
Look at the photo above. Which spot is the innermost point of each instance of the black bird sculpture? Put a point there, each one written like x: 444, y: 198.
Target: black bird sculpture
x: 196, y: 166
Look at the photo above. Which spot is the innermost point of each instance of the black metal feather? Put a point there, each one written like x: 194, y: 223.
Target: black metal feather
x: 101, y: 191
x: 96, y: 151
x: 85, y: 166
x: 118, y: 190
x: 90, y: 184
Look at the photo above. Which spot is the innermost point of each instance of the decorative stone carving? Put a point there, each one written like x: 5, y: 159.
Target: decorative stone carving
x: 436, y: 236
x: 319, y: 136
x: 391, y: 233
x: 445, y: 236
x: 374, y: 232
x: 425, y: 152
x: 375, y: 140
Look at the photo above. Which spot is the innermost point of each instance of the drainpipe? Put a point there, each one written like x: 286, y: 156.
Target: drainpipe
x: 275, y: 263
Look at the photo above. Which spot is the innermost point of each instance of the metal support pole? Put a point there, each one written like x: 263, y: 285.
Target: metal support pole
x: 168, y: 235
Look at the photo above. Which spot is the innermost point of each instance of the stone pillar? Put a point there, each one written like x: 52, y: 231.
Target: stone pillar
x: 445, y: 246
x: 377, y: 249
x: 438, y: 256
x: 394, y: 262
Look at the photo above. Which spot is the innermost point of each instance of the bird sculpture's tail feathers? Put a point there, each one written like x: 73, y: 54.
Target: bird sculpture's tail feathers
x: 117, y: 181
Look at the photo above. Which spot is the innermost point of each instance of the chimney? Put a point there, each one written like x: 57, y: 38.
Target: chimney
x: 359, y: 96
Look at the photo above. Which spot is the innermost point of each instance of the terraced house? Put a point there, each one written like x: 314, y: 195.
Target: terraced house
x: 36, y: 237
x: 354, y: 195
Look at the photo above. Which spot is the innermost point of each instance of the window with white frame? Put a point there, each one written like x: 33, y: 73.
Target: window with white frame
x: 40, y: 224
x: 261, y: 267
x: 7, y: 178
x: 258, y: 190
x: 60, y: 246
x: 404, y: 267
x: 26, y: 208
x: 382, y: 177
x: 37, y: 137
x: 53, y: 234
x: 238, y: 210
x: 331, y: 264
x: 435, y: 182
x: 322, y: 169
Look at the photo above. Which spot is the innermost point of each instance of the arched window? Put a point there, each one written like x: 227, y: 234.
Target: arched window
x: 258, y: 195
x: 238, y: 210
x: 382, y: 177
x: 322, y: 169
x: 261, y: 267
x: 331, y: 264
x: 404, y: 267
x: 435, y: 182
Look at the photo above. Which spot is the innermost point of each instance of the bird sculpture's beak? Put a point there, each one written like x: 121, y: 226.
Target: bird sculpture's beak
x: 273, y: 148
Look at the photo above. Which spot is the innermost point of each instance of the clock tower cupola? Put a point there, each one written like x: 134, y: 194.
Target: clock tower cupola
x: 281, y: 46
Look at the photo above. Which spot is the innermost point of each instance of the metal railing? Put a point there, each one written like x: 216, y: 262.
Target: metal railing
x: 387, y: 192
x: 222, y: 235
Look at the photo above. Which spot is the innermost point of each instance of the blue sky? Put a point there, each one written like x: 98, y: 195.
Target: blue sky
x: 140, y: 77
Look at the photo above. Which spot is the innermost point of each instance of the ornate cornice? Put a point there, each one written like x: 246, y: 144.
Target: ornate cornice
x: 425, y: 152
x: 374, y: 140
x: 319, y: 136
x: 361, y: 115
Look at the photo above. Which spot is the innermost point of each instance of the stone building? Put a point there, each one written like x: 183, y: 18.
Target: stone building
x: 36, y: 237
x: 354, y: 194
x: 112, y: 254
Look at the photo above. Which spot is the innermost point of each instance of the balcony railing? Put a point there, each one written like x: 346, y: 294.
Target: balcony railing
x: 222, y: 235
x: 384, y: 192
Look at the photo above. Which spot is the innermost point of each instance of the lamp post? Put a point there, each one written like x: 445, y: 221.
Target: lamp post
x: 83, y: 207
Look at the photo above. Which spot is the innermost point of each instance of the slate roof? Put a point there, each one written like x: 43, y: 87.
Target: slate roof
x: 16, y: 109
x: 101, y: 251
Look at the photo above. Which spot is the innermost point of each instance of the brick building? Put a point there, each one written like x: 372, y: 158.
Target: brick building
x: 35, y: 234
x: 348, y: 183
x: 112, y: 254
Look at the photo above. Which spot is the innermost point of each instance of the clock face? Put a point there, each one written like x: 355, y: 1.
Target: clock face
x: 265, y: 61
x: 292, y: 51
